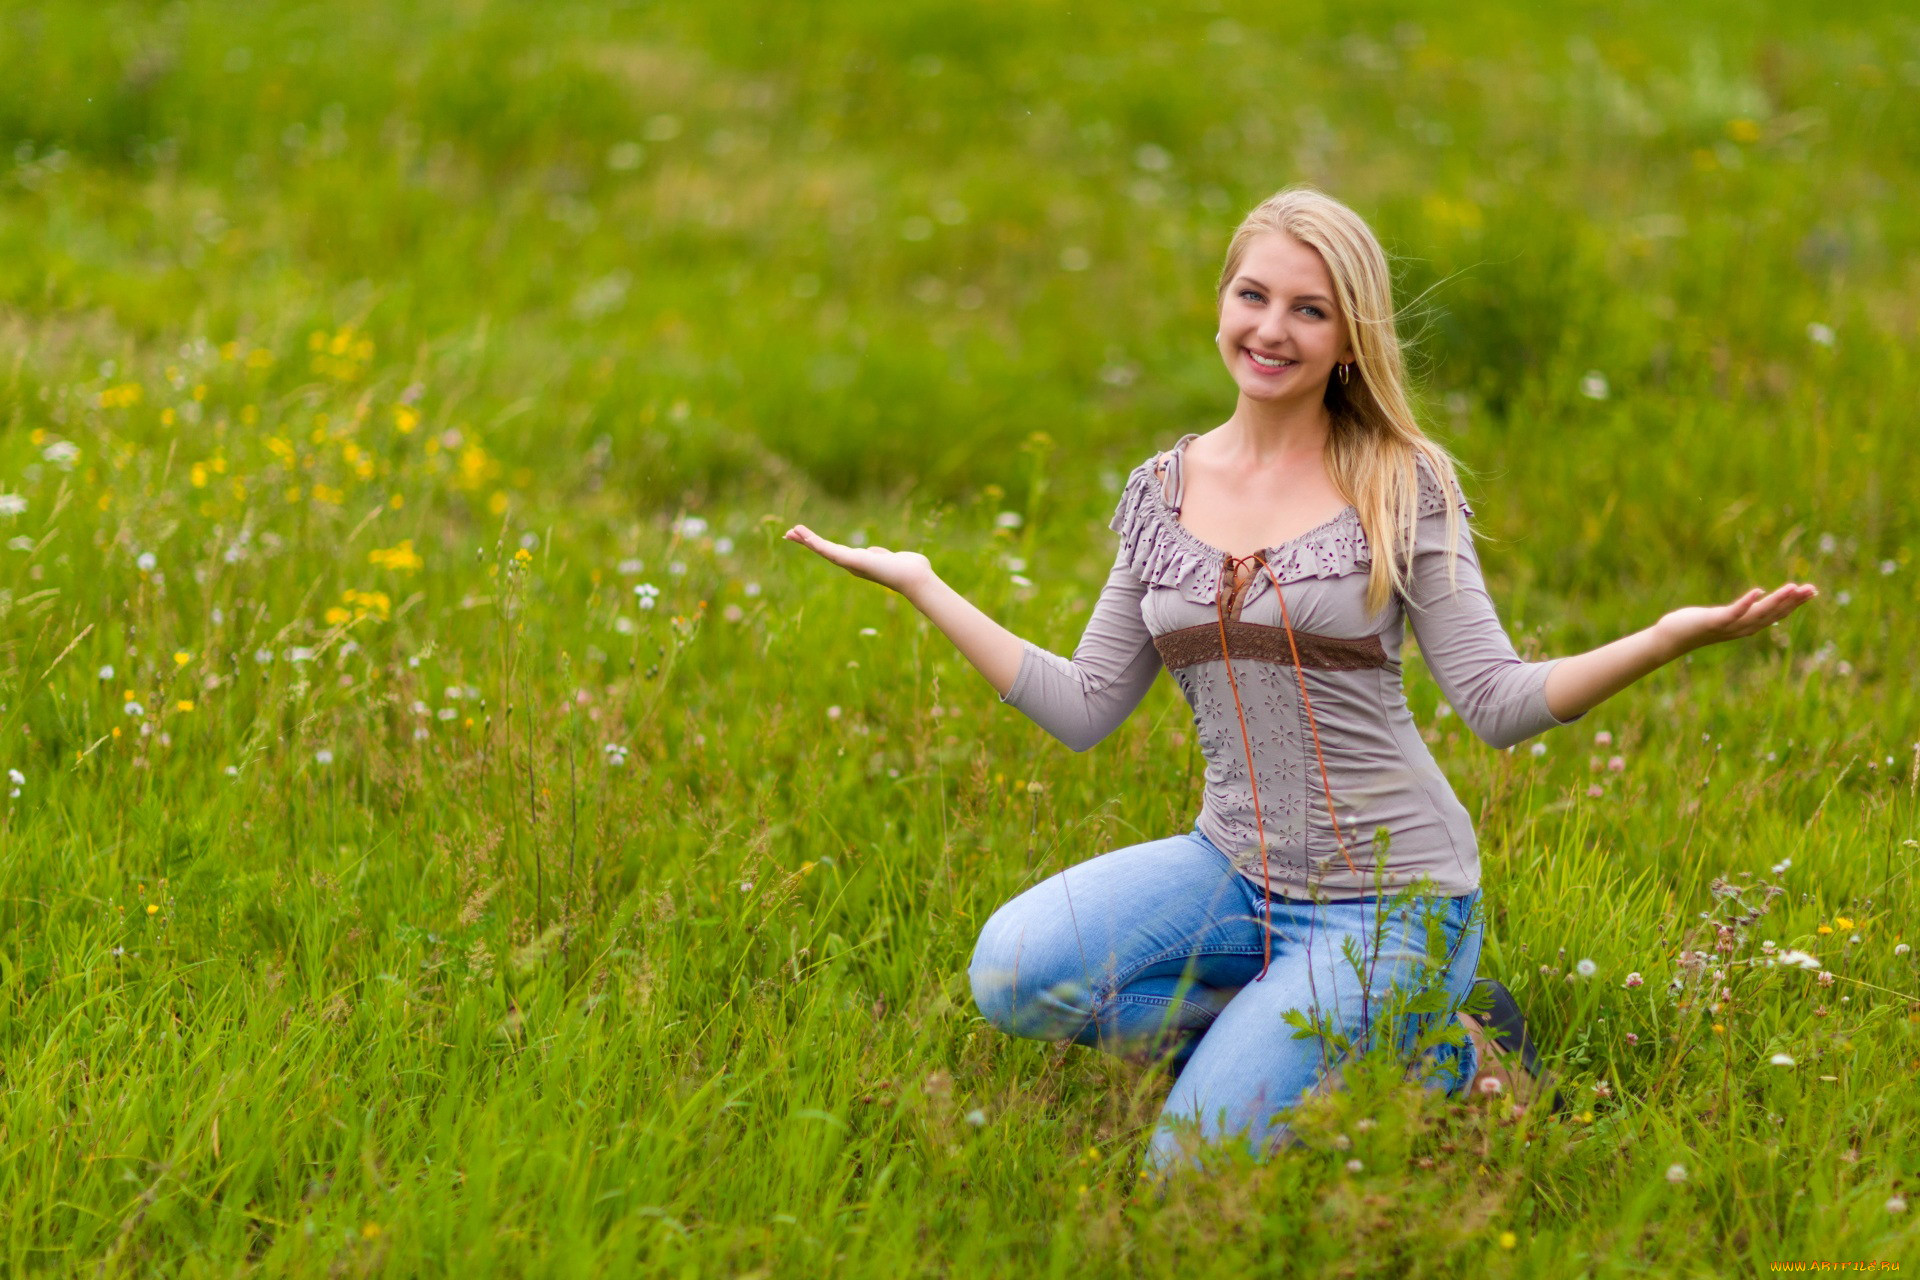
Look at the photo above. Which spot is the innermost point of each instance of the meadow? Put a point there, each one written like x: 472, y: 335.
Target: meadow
x: 448, y: 832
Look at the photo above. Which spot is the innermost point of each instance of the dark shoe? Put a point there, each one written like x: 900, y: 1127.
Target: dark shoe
x: 1505, y: 1051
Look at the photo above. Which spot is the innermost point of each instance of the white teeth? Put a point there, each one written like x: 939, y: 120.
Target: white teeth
x: 1265, y: 363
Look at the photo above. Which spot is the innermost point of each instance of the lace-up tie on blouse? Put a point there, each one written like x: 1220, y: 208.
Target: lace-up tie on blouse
x: 1166, y: 604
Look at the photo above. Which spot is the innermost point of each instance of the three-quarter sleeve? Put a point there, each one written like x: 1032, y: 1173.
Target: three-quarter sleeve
x: 1500, y: 696
x: 1083, y: 700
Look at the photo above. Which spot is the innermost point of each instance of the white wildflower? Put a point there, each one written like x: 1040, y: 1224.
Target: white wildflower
x: 976, y: 1117
x: 1009, y: 520
x: 1781, y: 1060
x: 106, y: 672
x: 263, y: 656
x: 1896, y: 1204
x: 323, y: 756
x: 1537, y: 749
x: 1586, y: 968
x: 61, y: 452
x: 1676, y: 1173
x: 12, y: 504
x: 833, y: 713
x: 1799, y: 959
x: 1901, y: 948
x: 447, y: 713
x: 646, y: 593
x: 21, y: 543
x: 1820, y: 334
x: 723, y: 546
x: 1594, y: 385
x: 147, y: 560
x: 135, y: 709
x: 690, y: 526
x: 631, y: 566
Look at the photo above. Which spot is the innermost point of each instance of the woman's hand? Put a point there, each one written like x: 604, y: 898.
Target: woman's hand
x: 904, y: 571
x: 1697, y: 625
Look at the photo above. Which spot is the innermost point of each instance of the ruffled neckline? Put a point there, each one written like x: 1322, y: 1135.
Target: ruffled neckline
x: 1162, y: 552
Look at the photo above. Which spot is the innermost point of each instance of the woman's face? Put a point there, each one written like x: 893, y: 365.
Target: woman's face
x: 1279, y: 307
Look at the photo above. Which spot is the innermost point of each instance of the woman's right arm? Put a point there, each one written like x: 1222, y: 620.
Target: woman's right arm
x: 1079, y: 702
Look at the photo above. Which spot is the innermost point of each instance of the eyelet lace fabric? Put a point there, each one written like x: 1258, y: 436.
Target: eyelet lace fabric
x: 1163, y: 553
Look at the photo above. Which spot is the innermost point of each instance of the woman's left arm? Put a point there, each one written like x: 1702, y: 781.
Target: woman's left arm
x: 1583, y: 681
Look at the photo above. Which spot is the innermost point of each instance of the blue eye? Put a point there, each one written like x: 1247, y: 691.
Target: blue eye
x: 1315, y: 310
x: 1248, y: 293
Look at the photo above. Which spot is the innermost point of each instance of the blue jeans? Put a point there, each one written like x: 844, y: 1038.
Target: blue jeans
x: 1154, y: 951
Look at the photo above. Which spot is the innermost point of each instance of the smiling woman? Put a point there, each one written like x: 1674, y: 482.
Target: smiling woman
x: 1273, y: 566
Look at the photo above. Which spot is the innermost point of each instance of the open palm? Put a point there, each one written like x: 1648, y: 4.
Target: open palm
x: 1697, y: 625
x: 901, y: 570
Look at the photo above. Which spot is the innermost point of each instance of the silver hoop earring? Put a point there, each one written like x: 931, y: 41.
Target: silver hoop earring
x: 1345, y: 373
x: 1216, y: 339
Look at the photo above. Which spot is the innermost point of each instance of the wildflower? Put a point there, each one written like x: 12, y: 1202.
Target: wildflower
x: 1780, y: 867
x: 647, y: 594
x: 1020, y: 580
x: 522, y: 556
x: 833, y: 713
x: 323, y: 756
x: 1633, y: 980
x: 1825, y: 928
x: 1354, y: 1166
x: 1820, y: 334
x: 106, y: 672
x: 1009, y: 520
x: 300, y: 653
x: 1490, y: 1085
x: 869, y: 631
x: 1586, y: 968
x: 184, y: 704
x: 1632, y: 1038
x: 153, y: 908
x: 751, y: 589
x: 1595, y: 791
x: 147, y: 560
x: 1719, y: 1028
x: 233, y: 771
x: 1676, y: 1173
x: 263, y: 656
x: 21, y: 543
x: 1901, y: 948
x: 134, y: 709
x: 676, y: 567
x: 1843, y: 922
x: 746, y: 886
x: 1617, y: 764
x: 630, y: 566
x: 1603, y: 739
x: 976, y: 1117
x: 1826, y: 978
x: 723, y: 546
x: 1508, y: 1239
x: 1601, y: 1089
x: 1781, y: 1060
x: 690, y: 526
x: 447, y: 713
x: 12, y: 504
x: 1537, y: 749
x: 1594, y: 385
x: 1896, y: 1204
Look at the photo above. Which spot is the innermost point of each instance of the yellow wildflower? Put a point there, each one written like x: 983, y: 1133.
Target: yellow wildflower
x: 1843, y: 922
x: 1508, y: 1239
x: 523, y: 555
x: 1824, y: 929
x: 337, y: 615
x: 153, y: 908
x: 181, y: 658
x: 184, y: 704
x: 405, y: 419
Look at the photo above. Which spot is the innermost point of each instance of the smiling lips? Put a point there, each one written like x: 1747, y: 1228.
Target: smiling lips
x: 1260, y: 362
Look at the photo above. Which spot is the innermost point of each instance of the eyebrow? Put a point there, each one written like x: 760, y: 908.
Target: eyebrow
x: 1303, y: 297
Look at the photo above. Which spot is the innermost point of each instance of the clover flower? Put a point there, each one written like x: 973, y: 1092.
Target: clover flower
x: 1676, y: 1173
x: 1586, y: 968
x: 646, y: 593
x: 1633, y: 980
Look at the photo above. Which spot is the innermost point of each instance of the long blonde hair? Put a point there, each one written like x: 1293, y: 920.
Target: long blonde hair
x: 1374, y: 441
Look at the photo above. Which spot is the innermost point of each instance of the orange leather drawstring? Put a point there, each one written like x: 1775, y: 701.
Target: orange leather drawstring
x: 1231, y: 584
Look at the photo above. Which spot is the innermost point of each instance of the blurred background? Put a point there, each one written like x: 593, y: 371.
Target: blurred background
x: 401, y: 405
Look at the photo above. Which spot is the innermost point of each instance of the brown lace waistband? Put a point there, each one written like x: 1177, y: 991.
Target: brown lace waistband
x: 1262, y: 643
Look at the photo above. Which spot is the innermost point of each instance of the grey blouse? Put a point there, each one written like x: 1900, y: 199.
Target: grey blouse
x: 1158, y: 609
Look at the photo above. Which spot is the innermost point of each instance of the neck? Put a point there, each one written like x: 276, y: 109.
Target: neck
x: 1261, y: 431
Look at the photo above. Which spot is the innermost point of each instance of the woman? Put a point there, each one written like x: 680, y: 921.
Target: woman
x: 1331, y: 877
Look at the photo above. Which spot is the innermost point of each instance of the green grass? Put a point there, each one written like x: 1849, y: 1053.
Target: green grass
x: 620, y: 282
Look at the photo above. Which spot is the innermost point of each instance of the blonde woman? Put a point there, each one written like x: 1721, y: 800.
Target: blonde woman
x: 1271, y: 566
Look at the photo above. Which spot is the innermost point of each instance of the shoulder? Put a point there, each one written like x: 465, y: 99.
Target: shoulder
x: 1434, y: 492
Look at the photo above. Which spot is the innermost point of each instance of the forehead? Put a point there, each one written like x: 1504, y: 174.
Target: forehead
x: 1284, y: 265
